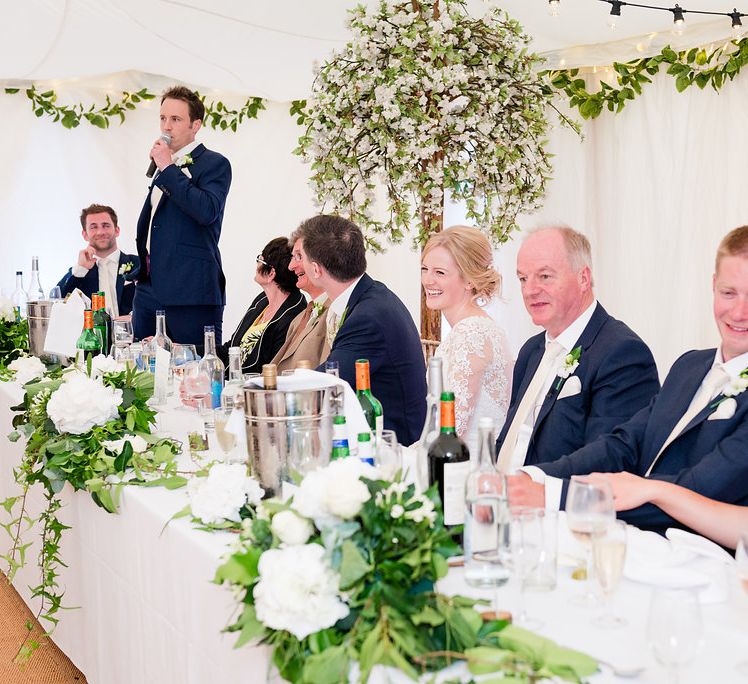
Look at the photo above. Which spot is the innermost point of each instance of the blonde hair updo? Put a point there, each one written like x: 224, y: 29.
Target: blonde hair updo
x: 473, y: 255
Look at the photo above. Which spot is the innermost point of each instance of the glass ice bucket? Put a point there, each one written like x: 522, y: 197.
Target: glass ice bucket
x: 272, y: 417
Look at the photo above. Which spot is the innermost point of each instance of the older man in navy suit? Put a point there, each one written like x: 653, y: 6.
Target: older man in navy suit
x: 585, y: 374
x: 179, y: 228
x: 101, y: 265
x: 366, y: 320
x: 695, y: 432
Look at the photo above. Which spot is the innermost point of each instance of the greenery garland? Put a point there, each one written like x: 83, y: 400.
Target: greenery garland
x: 100, y: 453
x: 688, y: 67
x: 217, y: 114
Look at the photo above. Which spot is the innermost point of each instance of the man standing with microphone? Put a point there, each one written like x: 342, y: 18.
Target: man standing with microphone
x: 179, y: 228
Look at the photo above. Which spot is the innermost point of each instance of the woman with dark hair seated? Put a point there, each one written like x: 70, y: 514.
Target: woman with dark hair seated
x: 262, y: 330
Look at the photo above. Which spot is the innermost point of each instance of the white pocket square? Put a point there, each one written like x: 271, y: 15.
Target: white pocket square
x: 571, y: 387
x: 724, y: 410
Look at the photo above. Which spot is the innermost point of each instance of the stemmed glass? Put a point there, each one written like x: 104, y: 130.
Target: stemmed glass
x: 609, y: 556
x: 741, y: 561
x: 526, y: 542
x: 589, y: 508
x: 181, y: 356
x: 674, y: 629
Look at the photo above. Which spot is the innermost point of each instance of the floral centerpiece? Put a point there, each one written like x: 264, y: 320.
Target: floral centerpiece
x: 426, y: 97
x: 92, y: 429
x: 341, y: 578
x: 14, y: 335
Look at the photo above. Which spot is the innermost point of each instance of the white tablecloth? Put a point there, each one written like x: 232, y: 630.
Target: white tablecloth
x: 148, y: 611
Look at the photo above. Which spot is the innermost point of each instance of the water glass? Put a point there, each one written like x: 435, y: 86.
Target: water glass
x: 388, y: 458
x: 306, y: 453
x: 589, y: 507
x: 674, y: 628
x: 122, y: 332
x: 226, y: 440
x: 543, y: 576
x: 55, y: 294
x: 526, y: 541
x: 609, y: 557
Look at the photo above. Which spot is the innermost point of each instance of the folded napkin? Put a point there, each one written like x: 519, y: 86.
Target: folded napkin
x: 65, y: 324
x: 303, y: 378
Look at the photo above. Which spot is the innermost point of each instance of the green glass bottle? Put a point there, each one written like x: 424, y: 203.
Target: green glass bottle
x: 102, y: 320
x: 340, y: 447
x: 89, y: 342
x: 371, y: 406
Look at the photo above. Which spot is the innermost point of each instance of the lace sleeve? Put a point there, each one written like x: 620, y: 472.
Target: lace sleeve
x: 469, y: 353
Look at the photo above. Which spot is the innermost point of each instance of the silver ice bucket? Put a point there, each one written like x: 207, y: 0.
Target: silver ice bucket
x: 38, y: 317
x: 272, y: 416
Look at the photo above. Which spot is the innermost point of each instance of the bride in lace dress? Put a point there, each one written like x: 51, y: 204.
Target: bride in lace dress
x: 456, y: 273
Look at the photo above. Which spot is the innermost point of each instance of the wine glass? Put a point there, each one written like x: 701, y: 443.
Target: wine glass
x: 741, y: 562
x: 589, y: 507
x: 609, y: 556
x: 181, y: 355
x: 55, y: 294
x: 387, y: 456
x: 526, y: 543
x: 674, y: 628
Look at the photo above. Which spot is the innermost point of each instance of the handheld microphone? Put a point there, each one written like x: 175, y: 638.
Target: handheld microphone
x: 152, y: 166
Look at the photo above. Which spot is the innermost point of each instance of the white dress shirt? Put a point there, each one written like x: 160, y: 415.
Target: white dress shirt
x: 337, y: 308
x: 553, y: 485
x: 108, y: 270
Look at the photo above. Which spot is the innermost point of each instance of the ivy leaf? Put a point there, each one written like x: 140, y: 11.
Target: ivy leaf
x: 353, y: 565
x: 123, y: 460
x: 328, y: 667
x: 240, y: 568
x: 251, y: 628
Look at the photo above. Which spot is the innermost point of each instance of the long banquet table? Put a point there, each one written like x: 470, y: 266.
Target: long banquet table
x: 148, y: 612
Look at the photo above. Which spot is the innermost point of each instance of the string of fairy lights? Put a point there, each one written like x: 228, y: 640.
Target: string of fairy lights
x: 678, y: 12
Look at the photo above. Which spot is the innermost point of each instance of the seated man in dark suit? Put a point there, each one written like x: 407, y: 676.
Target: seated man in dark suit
x: 587, y: 373
x: 366, y: 320
x: 695, y: 432
x: 102, y: 266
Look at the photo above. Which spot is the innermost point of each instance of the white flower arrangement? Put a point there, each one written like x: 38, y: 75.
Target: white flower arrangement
x: 27, y: 368
x: 222, y: 494
x: 420, y: 102
x: 102, y: 364
x: 291, y: 528
x: 138, y: 444
x: 416, y: 507
x: 82, y: 402
x: 298, y: 590
x: 7, y: 310
x: 334, y: 493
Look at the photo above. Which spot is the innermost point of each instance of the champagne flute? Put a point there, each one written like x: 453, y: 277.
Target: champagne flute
x: 741, y: 562
x: 526, y: 542
x: 609, y: 555
x: 674, y: 628
x: 589, y: 507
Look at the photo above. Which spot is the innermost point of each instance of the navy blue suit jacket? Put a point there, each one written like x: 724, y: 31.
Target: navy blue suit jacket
x: 618, y: 376
x: 709, y: 456
x: 378, y: 327
x: 89, y: 283
x: 185, y: 264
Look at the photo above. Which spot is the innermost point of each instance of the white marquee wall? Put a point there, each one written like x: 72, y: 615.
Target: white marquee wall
x: 654, y: 187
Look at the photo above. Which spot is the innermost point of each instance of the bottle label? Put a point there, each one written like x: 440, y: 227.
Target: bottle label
x: 447, y: 415
x: 215, y: 393
x: 378, y: 425
x: 362, y: 376
x: 455, y: 475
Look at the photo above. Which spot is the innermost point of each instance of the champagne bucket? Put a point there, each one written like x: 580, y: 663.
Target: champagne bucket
x: 272, y: 416
x: 38, y: 318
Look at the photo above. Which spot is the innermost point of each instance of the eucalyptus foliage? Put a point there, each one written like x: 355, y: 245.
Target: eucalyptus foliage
x: 426, y: 98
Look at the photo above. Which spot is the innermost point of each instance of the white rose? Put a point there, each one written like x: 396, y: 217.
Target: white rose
x: 290, y: 528
x: 223, y: 493
x: 397, y: 511
x: 105, y: 364
x: 7, y: 311
x: 27, y: 368
x: 82, y: 402
x: 138, y: 444
x: 298, y: 591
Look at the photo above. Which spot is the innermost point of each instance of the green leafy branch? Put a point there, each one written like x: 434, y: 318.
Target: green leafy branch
x: 688, y: 67
x: 218, y: 115
x: 14, y: 342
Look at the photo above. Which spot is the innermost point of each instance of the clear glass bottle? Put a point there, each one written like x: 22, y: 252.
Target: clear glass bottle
x: 19, y: 297
x: 35, y: 291
x: 449, y: 464
x: 485, y: 536
x: 430, y: 429
x: 371, y: 406
x: 211, y: 366
x: 233, y: 394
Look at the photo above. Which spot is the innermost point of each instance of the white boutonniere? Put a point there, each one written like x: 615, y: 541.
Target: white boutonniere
x: 126, y: 268
x: 317, y: 309
x: 731, y: 390
x: 568, y: 365
x: 185, y: 160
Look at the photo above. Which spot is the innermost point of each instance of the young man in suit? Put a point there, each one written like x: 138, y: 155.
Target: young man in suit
x: 101, y: 265
x: 695, y: 432
x: 306, y: 339
x: 366, y: 321
x: 585, y: 374
x: 179, y: 227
